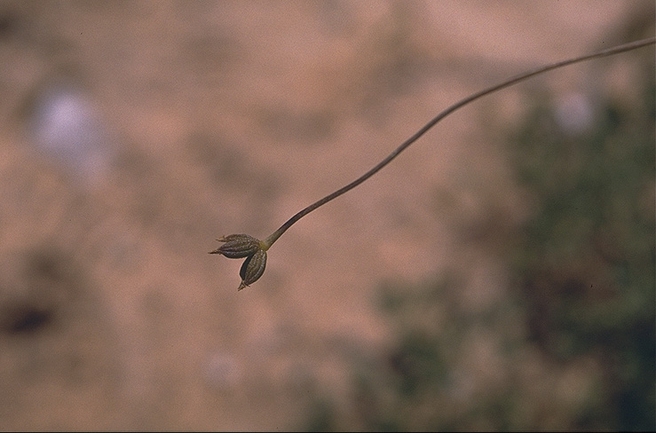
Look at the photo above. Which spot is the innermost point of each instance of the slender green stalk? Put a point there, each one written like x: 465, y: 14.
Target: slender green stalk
x: 608, y: 52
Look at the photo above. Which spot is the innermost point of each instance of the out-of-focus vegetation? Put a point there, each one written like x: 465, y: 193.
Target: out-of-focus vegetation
x: 585, y: 267
x: 572, y: 345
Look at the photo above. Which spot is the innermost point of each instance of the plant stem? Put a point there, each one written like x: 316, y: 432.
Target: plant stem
x: 608, y: 52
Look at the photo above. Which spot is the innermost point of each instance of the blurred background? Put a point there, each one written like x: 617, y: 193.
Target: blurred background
x: 499, y: 275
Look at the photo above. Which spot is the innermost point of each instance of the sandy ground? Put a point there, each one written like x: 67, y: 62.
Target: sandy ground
x: 184, y: 121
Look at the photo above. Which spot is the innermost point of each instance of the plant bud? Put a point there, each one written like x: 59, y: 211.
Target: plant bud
x: 252, y: 269
x: 237, y: 246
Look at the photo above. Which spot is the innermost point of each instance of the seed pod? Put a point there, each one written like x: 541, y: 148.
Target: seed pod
x: 252, y: 269
x: 237, y: 246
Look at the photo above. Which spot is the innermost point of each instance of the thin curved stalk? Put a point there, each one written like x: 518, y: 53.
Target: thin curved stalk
x: 521, y: 77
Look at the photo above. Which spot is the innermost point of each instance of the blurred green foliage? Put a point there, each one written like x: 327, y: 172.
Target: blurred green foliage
x: 581, y: 299
x: 585, y: 265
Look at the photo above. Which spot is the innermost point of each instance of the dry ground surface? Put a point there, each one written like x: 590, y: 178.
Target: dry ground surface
x: 211, y: 118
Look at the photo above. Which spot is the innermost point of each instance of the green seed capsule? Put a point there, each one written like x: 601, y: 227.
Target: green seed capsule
x: 252, y: 269
x: 237, y: 246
